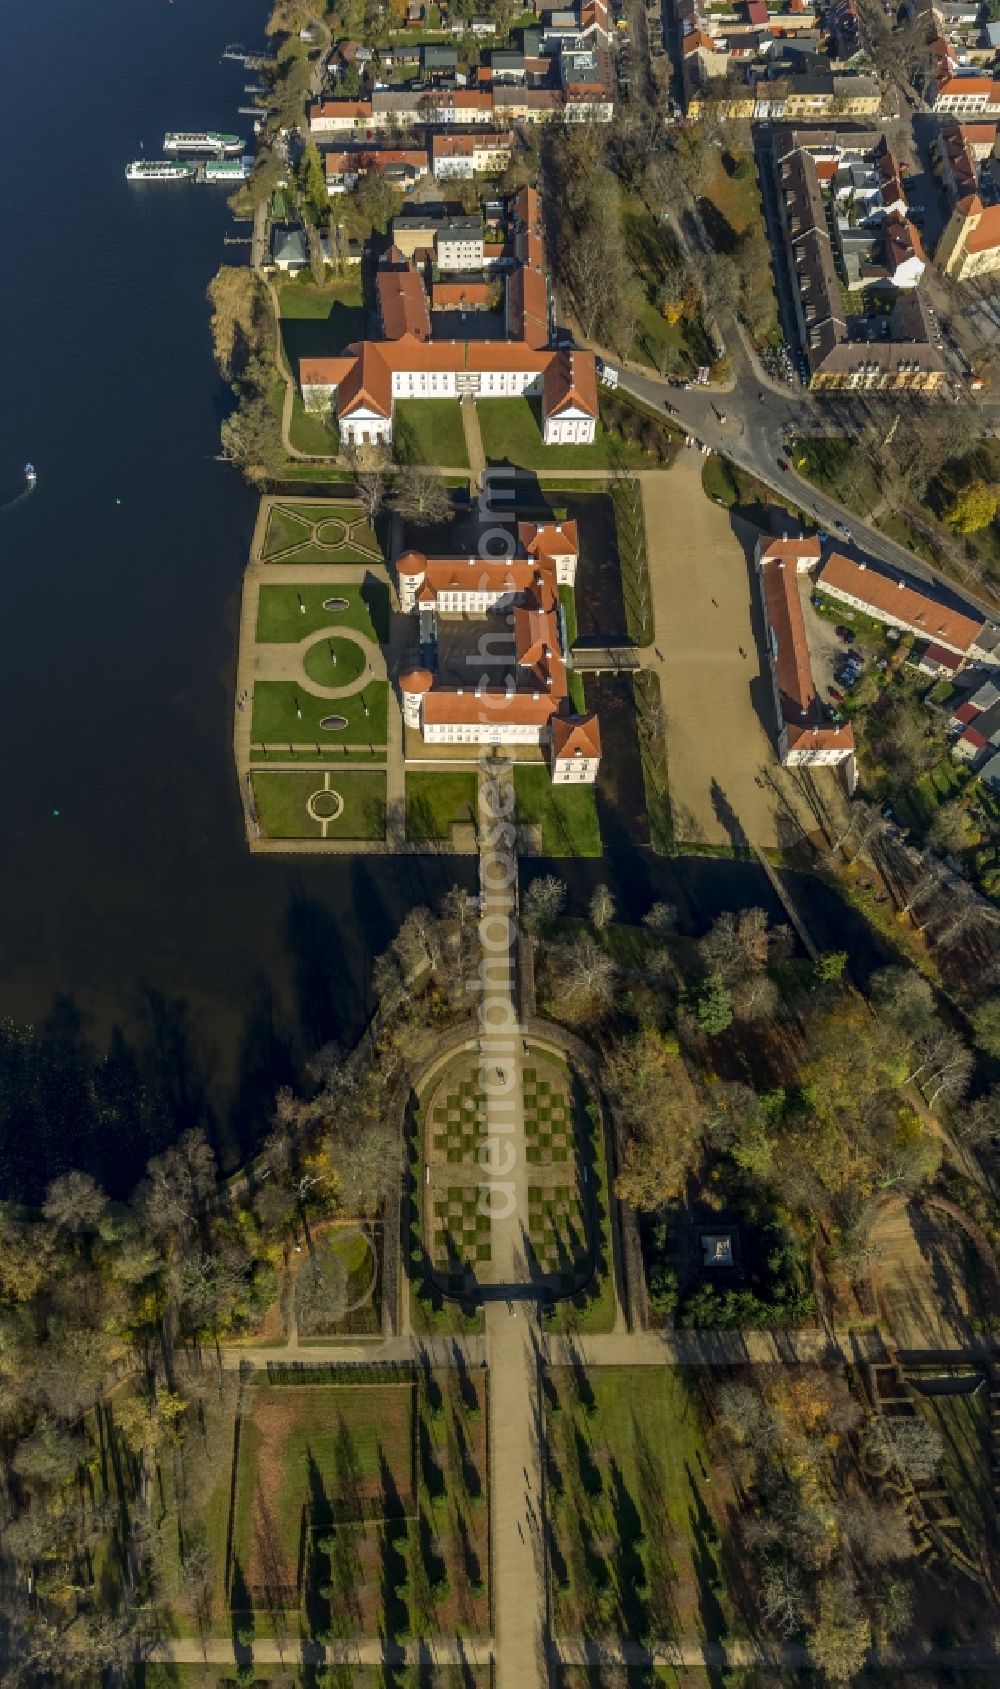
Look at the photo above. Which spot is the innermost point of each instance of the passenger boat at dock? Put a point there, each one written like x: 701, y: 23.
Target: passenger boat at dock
x: 158, y: 170
x: 203, y: 143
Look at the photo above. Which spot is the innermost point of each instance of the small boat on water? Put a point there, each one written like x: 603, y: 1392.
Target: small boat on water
x: 158, y: 170
x: 30, y: 474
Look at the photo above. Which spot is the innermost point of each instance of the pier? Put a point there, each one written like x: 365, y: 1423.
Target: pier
x: 249, y: 61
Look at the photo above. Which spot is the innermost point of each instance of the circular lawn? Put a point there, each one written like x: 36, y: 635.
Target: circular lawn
x: 335, y: 662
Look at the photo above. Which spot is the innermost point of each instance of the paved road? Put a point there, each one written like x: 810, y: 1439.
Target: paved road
x: 757, y: 415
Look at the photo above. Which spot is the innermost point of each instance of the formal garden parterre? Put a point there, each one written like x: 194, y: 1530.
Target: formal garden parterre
x: 337, y: 532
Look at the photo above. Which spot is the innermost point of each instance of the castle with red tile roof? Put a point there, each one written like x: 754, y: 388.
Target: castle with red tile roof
x: 529, y: 704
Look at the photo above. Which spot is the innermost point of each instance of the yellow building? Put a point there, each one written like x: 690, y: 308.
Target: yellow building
x: 970, y: 244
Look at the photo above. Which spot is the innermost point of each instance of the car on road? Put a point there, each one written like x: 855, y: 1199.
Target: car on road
x: 842, y: 528
x: 782, y: 465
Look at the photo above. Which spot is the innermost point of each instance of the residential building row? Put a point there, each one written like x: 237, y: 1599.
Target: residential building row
x: 497, y: 105
x: 964, y: 156
x: 363, y: 384
x: 562, y: 71
x: 894, y: 349
x: 769, y: 64
x: 529, y: 703
x: 975, y: 728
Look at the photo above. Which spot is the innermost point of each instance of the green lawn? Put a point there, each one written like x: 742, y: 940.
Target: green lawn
x: 293, y: 1676
x: 317, y: 322
x: 594, y: 1308
x: 567, y: 815
x: 281, y: 796
x: 653, y: 757
x: 319, y: 1448
x: 334, y: 662
x: 277, y: 721
x: 338, y: 532
x: 635, y: 1550
x: 430, y: 431
x: 286, y: 614
x: 567, y: 598
x: 310, y: 432
x: 512, y: 433
x: 302, y: 301
x: 434, y: 801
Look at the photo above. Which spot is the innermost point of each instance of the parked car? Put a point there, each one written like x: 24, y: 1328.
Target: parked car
x: 836, y: 694
x: 846, y: 634
x: 782, y: 465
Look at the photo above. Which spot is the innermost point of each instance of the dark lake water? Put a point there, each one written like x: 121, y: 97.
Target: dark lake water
x: 131, y: 908
x: 138, y: 900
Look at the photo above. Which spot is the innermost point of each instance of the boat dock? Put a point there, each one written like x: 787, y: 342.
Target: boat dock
x: 249, y: 61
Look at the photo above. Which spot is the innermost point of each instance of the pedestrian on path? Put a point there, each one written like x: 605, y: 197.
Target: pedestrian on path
x: 741, y: 651
x: 715, y: 601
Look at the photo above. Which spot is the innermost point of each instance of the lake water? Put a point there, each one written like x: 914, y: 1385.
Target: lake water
x: 127, y: 884
x: 130, y: 900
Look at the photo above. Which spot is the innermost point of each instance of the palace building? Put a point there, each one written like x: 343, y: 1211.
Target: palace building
x: 494, y: 637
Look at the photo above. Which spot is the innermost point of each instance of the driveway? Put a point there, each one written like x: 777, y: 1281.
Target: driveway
x: 726, y: 785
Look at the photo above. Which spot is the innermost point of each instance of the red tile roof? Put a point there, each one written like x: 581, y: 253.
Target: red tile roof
x: 461, y: 295
x: 797, y: 700
x: 890, y: 595
x: 791, y: 550
x: 402, y: 302
x: 549, y: 539
x: 576, y: 736
x: 570, y: 383
x: 466, y: 709
x: 945, y: 659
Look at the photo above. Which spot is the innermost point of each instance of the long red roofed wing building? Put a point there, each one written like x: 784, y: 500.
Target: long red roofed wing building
x: 899, y: 603
x: 806, y: 735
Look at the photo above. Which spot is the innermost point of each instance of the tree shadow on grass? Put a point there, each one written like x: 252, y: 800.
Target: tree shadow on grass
x: 705, y: 1543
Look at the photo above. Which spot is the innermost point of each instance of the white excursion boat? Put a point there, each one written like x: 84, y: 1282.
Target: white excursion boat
x: 158, y: 170
x: 30, y: 474
x: 204, y: 142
